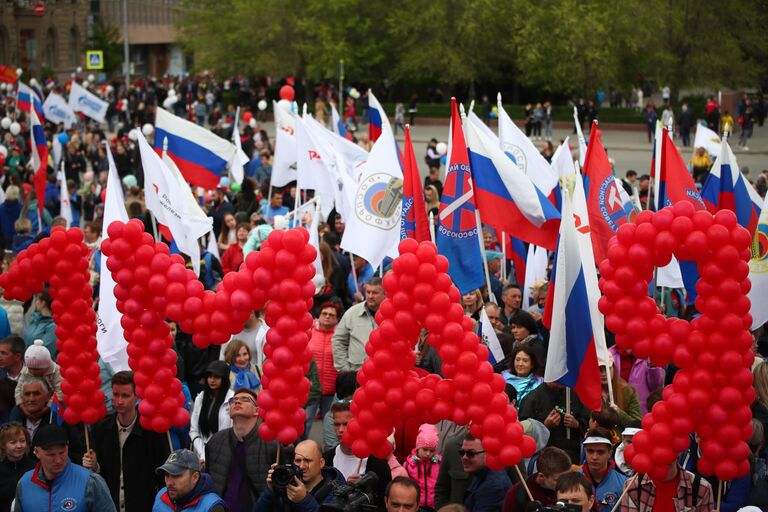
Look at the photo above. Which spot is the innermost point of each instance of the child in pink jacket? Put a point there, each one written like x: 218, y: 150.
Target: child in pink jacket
x: 423, y: 463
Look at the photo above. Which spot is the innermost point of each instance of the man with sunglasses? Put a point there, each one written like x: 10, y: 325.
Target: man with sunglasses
x: 487, y: 490
x: 238, y: 459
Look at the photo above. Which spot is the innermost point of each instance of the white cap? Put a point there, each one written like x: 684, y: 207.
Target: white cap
x: 37, y: 356
x: 630, y: 431
x: 597, y: 440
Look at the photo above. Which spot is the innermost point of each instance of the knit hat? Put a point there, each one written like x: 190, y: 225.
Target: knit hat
x: 427, y: 437
x: 37, y: 356
x: 261, y: 232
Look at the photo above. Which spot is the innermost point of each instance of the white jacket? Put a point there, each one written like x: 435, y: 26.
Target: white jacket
x: 198, y: 440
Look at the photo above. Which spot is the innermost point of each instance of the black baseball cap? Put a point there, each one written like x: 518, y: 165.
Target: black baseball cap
x: 50, y: 435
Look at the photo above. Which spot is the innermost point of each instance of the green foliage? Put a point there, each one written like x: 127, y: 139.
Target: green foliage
x: 108, y: 39
x: 572, y: 47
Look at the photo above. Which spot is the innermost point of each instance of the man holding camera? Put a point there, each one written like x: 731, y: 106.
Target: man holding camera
x: 575, y: 491
x: 302, y: 486
x: 186, y: 488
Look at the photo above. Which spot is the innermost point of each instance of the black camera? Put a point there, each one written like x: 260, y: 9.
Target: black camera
x: 560, y: 506
x: 283, y: 475
x: 358, y: 497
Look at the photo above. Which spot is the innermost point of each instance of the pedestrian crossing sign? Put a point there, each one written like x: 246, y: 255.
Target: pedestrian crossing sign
x: 94, y: 59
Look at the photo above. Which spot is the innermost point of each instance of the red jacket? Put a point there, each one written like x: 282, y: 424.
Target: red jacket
x: 320, y: 345
x: 232, y: 258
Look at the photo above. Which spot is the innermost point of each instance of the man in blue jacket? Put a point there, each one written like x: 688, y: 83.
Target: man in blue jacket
x: 488, y: 488
x: 186, y: 487
x: 315, y: 487
x: 58, y: 482
x: 607, y: 482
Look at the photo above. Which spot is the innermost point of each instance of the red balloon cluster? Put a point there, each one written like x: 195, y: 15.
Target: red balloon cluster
x: 287, y: 93
x: 420, y: 294
x: 62, y: 260
x: 151, y: 284
x: 712, y: 392
x: 284, y: 268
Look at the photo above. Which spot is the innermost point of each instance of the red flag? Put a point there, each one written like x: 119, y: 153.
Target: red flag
x: 604, y: 204
x: 8, y: 74
x: 415, y: 223
x: 675, y: 183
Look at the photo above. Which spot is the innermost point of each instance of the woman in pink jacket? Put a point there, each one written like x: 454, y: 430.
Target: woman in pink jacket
x: 423, y: 464
x: 640, y: 373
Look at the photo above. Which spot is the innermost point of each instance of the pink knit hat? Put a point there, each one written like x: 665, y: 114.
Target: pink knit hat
x: 427, y: 437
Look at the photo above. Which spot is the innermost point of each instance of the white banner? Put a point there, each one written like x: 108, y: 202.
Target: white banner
x: 57, y: 110
x: 82, y: 100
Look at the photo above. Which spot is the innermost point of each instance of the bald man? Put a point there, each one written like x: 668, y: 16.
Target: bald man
x: 306, y: 494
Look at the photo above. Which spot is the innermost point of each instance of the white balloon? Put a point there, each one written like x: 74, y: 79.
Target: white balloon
x: 33, y: 82
x: 85, y: 83
x: 441, y: 148
x: 19, y: 71
x: 110, y: 89
x: 280, y: 222
x: 147, y: 129
x: 79, y: 69
x: 2, y: 86
x: 168, y: 103
x: 91, y: 77
x: 354, y: 93
x: 5, y: 123
x: 172, y: 93
x: 133, y: 134
x: 252, y: 123
x: 262, y: 105
x: 4, y: 150
x: 15, y: 128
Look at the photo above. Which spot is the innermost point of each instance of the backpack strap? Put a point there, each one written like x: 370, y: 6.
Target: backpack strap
x: 695, y: 489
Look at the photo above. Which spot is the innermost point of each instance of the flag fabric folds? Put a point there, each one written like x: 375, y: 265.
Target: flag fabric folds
x: 536, y: 262
x: 338, y: 124
x: 373, y: 227
x: 57, y: 110
x: 414, y: 222
x: 606, y: 209
x: 727, y: 189
x: 39, y: 159
x: 456, y: 235
x: 284, y: 161
x: 82, y: 100
x: 65, y: 207
x: 376, y: 116
x: 507, y: 198
x: 489, y: 338
x: 109, y: 333
x: 572, y: 355
x: 707, y: 139
x: 674, y: 182
x: 170, y: 200
x: 201, y: 156
x: 27, y: 98
x: 758, y: 271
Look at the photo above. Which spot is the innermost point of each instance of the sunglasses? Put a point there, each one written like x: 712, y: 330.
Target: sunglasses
x: 470, y: 454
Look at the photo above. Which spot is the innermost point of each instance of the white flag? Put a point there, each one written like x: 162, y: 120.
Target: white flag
x: 524, y: 154
x: 580, y: 134
x: 707, y: 139
x: 312, y: 160
x: 373, y: 228
x: 314, y: 240
x: 213, y: 246
x: 57, y: 110
x: 57, y: 151
x: 82, y: 100
x: 109, y: 333
x: 562, y: 161
x: 758, y: 271
x: 170, y: 200
x: 240, y: 159
x: 670, y: 276
x: 284, y: 163
x: 535, y: 270
x: 64, y: 205
x: 490, y: 339
x: 482, y: 127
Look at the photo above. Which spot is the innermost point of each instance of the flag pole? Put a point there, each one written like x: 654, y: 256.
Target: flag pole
x: 432, y: 226
x: 491, y: 296
x: 504, y: 256
x: 235, y: 133
x: 354, y: 272
x: 567, y: 410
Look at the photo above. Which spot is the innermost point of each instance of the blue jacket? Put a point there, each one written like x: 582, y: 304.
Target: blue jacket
x: 609, y: 489
x: 9, y: 213
x: 76, y: 489
x: 203, y: 498
x: 487, y: 491
x: 41, y: 327
x: 310, y: 503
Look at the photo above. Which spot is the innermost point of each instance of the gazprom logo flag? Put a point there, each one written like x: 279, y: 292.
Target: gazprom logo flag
x: 727, y: 189
x: 201, y: 156
x: 58, y: 111
x: 82, y: 100
x: 456, y: 235
x: 507, y: 198
x: 572, y: 355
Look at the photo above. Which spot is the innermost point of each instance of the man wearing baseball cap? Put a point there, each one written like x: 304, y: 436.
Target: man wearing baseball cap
x: 607, y: 482
x: 56, y: 480
x: 186, y: 487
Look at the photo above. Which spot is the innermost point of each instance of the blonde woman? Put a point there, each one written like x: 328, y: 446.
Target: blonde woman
x: 243, y: 373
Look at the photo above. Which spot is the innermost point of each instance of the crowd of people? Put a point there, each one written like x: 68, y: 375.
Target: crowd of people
x: 218, y: 462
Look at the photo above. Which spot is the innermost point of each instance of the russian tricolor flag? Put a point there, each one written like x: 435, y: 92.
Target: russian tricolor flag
x: 39, y: 159
x: 507, y: 199
x: 201, y: 156
x: 516, y: 251
x: 376, y: 117
x: 26, y: 97
x: 674, y: 183
x: 572, y: 355
x: 338, y: 124
x: 727, y: 189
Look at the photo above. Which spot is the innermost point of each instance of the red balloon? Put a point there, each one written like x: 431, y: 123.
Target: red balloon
x: 287, y: 93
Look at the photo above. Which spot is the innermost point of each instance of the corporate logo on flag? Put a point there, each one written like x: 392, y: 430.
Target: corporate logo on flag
x: 516, y: 155
x: 613, y: 210
x: 379, y: 201
x: 457, y: 210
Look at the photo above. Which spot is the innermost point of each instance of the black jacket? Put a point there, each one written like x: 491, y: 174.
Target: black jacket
x: 374, y: 465
x: 10, y: 473
x: 143, y: 452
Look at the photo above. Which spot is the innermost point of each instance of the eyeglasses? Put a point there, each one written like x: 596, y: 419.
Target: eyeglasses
x: 241, y: 400
x: 470, y: 454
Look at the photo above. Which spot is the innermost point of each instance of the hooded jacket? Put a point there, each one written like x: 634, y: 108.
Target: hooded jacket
x: 203, y: 498
x: 425, y: 473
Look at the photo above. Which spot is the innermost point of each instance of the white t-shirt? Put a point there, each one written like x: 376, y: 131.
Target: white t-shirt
x: 347, y: 464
